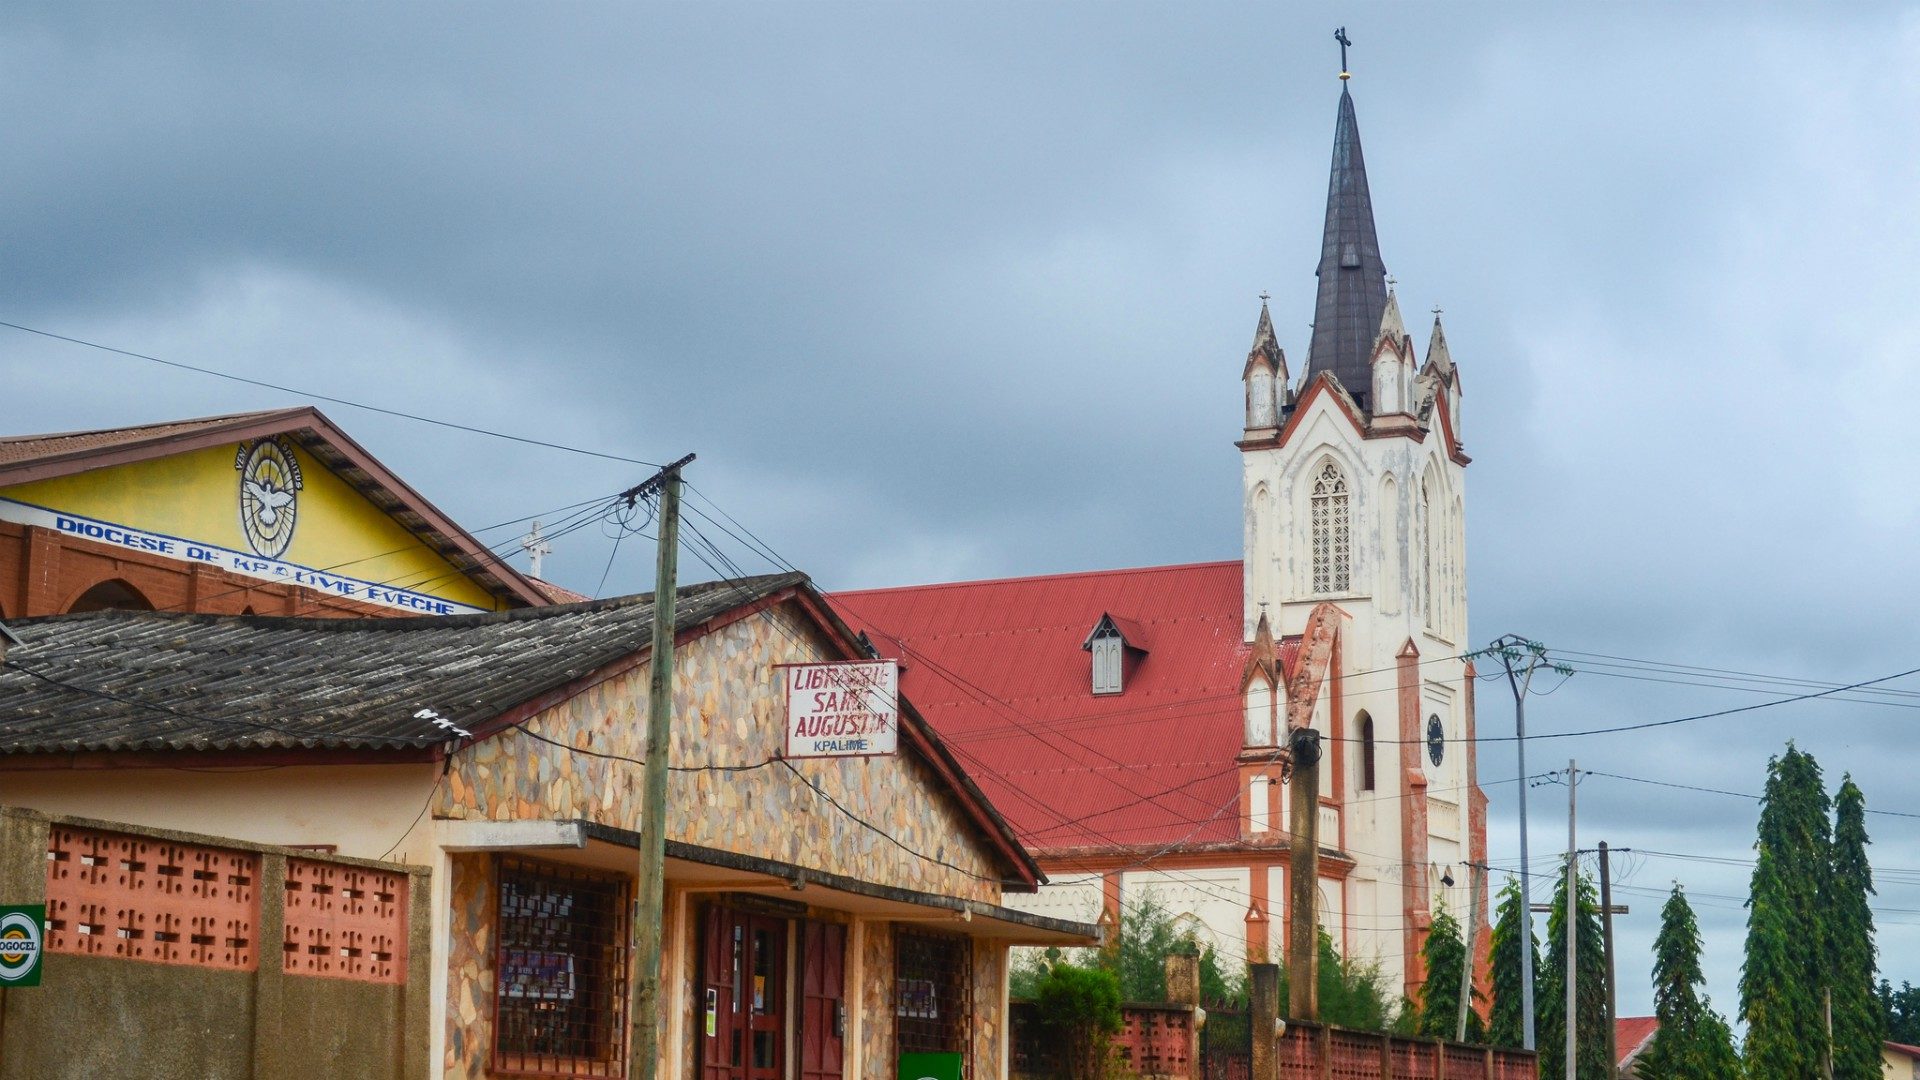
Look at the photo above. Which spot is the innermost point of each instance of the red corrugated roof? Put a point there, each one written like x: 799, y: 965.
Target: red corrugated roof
x: 1631, y: 1034
x: 997, y: 667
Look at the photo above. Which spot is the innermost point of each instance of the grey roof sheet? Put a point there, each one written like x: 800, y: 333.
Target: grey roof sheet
x: 129, y: 681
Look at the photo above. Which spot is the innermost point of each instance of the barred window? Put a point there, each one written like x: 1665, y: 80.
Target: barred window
x: 1332, y: 545
x: 561, y: 971
x: 932, y: 993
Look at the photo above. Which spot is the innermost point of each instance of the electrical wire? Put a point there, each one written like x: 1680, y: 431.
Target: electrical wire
x: 384, y: 411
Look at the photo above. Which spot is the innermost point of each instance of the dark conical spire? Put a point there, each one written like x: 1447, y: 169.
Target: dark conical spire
x: 1353, y: 285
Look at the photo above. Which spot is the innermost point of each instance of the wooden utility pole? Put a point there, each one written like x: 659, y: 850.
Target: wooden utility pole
x: 1573, y: 923
x: 1476, y: 878
x: 1606, y: 924
x: 1826, y: 1007
x: 1303, y: 876
x: 649, y: 907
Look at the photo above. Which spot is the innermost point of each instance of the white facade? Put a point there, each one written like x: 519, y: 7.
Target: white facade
x: 1367, y: 512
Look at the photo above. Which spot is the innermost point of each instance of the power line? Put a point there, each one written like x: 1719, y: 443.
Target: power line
x: 1719, y: 791
x: 454, y: 425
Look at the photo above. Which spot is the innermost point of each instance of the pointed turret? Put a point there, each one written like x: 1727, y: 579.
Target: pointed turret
x: 1437, y: 353
x: 1353, y: 280
x: 1445, y: 376
x: 1265, y: 377
x: 1392, y: 363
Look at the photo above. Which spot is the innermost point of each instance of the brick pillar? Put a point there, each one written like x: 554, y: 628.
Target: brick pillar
x: 42, y: 571
x: 1263, y: 1019
x: 1183, y: 988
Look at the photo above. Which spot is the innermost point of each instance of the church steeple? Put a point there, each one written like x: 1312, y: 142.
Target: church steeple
x: 1353, y: 285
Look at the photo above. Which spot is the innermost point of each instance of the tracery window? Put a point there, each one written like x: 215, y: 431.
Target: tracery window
x: 1332, y: 532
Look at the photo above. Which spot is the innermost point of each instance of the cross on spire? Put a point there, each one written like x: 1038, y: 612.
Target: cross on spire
x: 1340, y: 36
x: 536, y: 547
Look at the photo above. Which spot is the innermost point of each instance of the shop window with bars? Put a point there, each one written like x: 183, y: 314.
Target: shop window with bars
x: 932, y: 993
x: 560, y: 976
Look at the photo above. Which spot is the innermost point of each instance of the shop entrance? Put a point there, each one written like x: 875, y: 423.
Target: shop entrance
x: 750, y: 1011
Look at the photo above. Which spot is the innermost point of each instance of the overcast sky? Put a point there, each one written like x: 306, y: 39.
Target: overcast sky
x: 965, y: 291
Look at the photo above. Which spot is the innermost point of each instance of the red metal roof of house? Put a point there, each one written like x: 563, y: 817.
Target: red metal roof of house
x: 1902, y: 1048
x: 997, y: 667
x: 1631, y: 1035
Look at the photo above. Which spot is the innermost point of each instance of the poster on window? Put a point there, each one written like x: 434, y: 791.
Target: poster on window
x: 536, y: 975
x: 917, y: 999
x: 849, y: 709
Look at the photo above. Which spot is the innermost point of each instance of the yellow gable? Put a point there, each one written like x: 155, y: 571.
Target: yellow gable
x: 265, y: 509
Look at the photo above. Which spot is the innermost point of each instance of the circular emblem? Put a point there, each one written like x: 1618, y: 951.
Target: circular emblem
x: 1436, y: 740
x: 19, y: 946
x: 269, y: 486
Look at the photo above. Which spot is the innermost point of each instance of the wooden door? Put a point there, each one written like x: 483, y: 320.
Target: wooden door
x: 823, y: 948
x: 740, y: 1004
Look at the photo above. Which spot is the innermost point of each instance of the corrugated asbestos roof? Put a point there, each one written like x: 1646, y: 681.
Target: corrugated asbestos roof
x: 997, y: 668
x: 129, y: 681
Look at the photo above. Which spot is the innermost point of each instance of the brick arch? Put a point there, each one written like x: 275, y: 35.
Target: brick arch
x: 113, y: 594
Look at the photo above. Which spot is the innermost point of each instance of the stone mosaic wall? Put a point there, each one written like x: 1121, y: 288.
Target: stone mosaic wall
x: 470, y: 959
x: 728, y: 710
x: 876, y: 1003
x: 990, y: 1024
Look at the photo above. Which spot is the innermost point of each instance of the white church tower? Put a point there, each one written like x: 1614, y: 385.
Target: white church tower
x: 1355, y: 497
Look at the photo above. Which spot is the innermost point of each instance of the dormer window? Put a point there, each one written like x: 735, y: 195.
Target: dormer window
x: 1106, y: 663
x: 1113, y: 642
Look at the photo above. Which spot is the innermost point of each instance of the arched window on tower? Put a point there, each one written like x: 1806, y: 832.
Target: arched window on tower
x: 1332, y: 532
x: 1366, y: 752
x: 1426, y: 551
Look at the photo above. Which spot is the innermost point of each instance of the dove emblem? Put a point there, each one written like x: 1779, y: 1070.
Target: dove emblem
x: 269, y: 484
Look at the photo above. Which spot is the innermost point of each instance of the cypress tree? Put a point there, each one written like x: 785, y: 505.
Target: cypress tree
x: 1511, y: 922
x: 1590, y: 998
x: 1445, y: 954
x: 1786, y: 963
x: 1859, y: 1024
x: 1693, y: 1042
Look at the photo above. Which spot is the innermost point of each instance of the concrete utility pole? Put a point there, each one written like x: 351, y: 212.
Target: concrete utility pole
x: 649, y: 906
x: 1511, y: 648
x: 1573, y: 920
x: 1303, y: 877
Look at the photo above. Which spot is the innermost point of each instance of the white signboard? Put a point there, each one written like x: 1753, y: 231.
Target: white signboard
x: 849, y: 709
x: 234, y: 562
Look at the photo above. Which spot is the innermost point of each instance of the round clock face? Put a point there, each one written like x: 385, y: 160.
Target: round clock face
x: 1436, y: 740
x: 269, y: 483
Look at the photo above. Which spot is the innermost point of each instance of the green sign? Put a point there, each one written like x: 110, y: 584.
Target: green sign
x: 930, y: 1067
x: 21, y: 944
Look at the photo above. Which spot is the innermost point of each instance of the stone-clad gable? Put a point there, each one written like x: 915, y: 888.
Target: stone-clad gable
x: 727, y: 701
